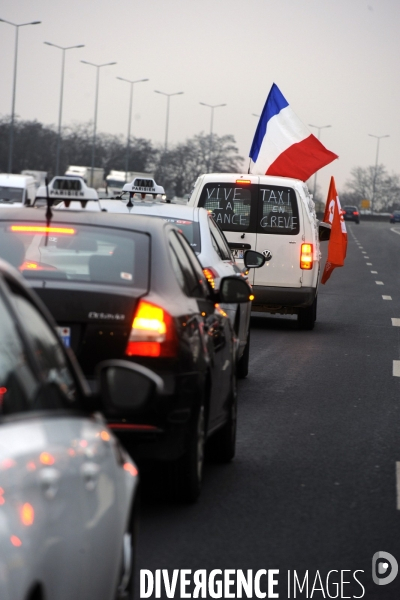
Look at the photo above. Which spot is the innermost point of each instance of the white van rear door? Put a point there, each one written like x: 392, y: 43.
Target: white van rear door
x: 233, y: 203
x: 279, y: 234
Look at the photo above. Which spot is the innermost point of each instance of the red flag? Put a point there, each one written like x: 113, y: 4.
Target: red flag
x: 338, y: 240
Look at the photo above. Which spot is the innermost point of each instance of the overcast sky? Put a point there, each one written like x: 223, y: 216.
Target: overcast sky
x: 335, y: 61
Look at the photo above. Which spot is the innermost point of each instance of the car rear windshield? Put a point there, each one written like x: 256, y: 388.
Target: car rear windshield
x: 76, y: 253
x: 190, y: 229
x: 255, y: 208
x: 11, y: 194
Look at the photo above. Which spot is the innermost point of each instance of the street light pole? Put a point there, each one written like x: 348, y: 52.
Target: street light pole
x: 212, y: 106
x: 319, y: 135
x: 378, y: 137
x: 61, y: 98
x: 11, y: 144
x: 167, y: 122
x: 132, y: 83
x: 95, y: 109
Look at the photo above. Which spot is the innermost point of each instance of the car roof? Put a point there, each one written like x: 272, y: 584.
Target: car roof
x: 159, y: 209
x: 83, y: 217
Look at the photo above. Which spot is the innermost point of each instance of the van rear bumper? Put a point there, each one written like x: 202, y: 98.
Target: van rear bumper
x: 276, y: 299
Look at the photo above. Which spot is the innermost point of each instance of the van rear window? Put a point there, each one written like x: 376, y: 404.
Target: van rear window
x: 277, y: 211
x: 255, y: 208
x: 230, y: 205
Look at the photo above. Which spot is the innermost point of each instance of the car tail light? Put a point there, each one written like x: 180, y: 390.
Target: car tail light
x: 355, y: 212
x: 211, y: 275
x: 306, y: 257
x: 152, y: 333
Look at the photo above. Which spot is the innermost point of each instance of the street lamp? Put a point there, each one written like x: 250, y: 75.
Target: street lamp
x: 319, y: 134
x: 85, y: 62
x: 132, y: 83
x: 17, y: 26
x: 166, y: 127
x: 61, y: 97
x: 378, y: 137
x: 212, y: 106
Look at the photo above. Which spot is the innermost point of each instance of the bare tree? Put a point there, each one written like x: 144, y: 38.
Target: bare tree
x: 361, y: 186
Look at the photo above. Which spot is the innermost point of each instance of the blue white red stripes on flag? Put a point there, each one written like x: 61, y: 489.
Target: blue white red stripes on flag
x: 283, y: 145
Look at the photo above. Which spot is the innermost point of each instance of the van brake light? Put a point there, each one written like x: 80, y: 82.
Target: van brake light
x: 306, y: 257
x: 152, y: 333
x: 42, y: 229
x: 245, y: 181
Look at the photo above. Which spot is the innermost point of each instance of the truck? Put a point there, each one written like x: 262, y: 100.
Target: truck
x: 95, y: 179
x: 116, y: 180
x: 38, y: 176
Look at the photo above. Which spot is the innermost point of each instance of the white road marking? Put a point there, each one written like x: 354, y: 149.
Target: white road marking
x: 375, y: 272
x: 367, y: 257
x: 398, y: 484
x: 395, y: 230
x: 379, y: 282
x: 395, y: 322
x: 361, y: 247
x: 396, y: 368
x: 369, y: 264
x: 363, y: 252
x: 386, y: 297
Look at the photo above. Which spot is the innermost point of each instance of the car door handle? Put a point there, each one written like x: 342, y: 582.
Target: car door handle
x: 49, y: 479
x: 90, y: 473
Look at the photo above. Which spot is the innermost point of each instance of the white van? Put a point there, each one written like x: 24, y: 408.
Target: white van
x: 274, y: 216
x: 17, y: 190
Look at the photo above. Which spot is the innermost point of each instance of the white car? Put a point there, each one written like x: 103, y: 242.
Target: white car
x: 213, y: 252
x: 68, y: 490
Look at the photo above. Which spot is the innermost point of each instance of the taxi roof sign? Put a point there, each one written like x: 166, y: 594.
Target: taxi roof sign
x: 142, y: 185
x: 65, y: 188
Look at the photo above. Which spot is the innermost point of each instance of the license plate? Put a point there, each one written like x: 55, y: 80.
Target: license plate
x: 238, y: 253
x: 65, y: 334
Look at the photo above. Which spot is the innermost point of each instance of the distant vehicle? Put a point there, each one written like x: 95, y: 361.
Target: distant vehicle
x: 86, y: 173
x: 395, y: 216
x: 351, y: 213
x: 116, y: 180
x: 38, y: 176
x: 17, y: 190
x: 68, y: 495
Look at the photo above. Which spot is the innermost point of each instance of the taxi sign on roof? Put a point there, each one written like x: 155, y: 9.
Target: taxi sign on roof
x: 67, y: 188
x: 143, y: 186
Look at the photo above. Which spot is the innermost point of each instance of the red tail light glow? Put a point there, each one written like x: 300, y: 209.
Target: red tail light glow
x: 152, y: 333
x: 42, y: 229
x: 211, y: 275
x: 306, y: 257
x: 355, y: 212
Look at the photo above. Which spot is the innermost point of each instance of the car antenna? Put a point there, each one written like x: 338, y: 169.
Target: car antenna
x: 49, y: 214
x: 130, y: 203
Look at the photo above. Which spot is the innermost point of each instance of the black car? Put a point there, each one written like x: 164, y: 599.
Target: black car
x: 133, y: 289
x: 351, y: 213
x: 395, y: 216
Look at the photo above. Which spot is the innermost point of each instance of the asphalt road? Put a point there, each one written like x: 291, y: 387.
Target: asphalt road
x: 313, y: 485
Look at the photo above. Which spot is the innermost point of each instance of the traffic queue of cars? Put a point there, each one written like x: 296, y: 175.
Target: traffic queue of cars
x: 159, y: 355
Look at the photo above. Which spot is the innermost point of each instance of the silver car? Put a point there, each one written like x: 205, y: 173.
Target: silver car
x: 67, y: 488
x: 213, y: 252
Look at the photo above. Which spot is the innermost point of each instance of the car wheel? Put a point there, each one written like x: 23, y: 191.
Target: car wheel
x: 222, y: 445
x: 188, y: 470
x: 125, y: 588
x: 307, y: 316
x: 242, y: 368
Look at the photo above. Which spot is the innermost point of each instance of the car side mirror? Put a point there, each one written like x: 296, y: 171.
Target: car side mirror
x: 125, y: 386
x: 233, y: 290
x: 324, y: 231
x: 253, y: 259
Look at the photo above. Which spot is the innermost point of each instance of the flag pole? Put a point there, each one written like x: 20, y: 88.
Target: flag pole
x: 248, y: 172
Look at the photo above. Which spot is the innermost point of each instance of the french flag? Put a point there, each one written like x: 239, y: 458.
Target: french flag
x: 283, y: 145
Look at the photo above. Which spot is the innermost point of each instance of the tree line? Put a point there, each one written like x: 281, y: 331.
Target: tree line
x: 176, y: 169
